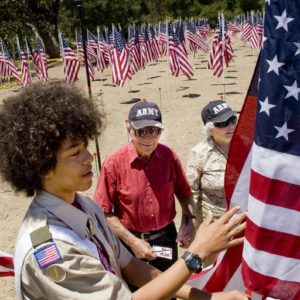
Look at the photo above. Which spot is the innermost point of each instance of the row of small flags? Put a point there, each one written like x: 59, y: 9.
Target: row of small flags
x: 145, y: 43
x: 248, y: 28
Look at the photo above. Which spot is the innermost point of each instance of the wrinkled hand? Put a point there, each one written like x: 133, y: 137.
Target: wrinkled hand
x: 221, y: 234
x: 142, y: 249
x: 186, y: 233
x: 230, y: 295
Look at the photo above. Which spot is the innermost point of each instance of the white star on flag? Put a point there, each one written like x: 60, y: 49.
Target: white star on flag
x: 293, y: 90
x: 283, y: 131
x: 283, y: 20
x: 266, y: 106
x: 298, y: 48
x: 274, y: 65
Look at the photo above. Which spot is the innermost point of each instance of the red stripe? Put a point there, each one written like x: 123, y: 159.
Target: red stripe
x: 7, y: 274
x: 273, y: 287
x: 275, y: 192
x: 6, y: 262
x: 225, y: 270
x: 271, y: 241
x: 240, y: 145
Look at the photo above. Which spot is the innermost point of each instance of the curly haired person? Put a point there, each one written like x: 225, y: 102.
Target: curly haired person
x: 65, y: 249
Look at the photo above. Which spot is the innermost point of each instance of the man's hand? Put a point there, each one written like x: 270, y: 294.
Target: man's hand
x: 142, y: 249
x: 186, y: 232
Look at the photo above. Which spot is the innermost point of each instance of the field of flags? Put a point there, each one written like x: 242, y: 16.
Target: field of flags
x: 174, y: 40
x: 261, y: 175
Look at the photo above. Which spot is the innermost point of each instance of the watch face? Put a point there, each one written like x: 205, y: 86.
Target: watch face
x: 195, y: 264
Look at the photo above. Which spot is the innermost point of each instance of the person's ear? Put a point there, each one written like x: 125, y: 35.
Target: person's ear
x: 129, y: 129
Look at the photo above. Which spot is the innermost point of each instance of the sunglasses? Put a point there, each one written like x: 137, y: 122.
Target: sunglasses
x: 231, y: 120
x: 154, y: 131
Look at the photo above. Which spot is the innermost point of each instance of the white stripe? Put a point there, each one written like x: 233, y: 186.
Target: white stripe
x: 236, y: 282
x: 5, y: 254
x: 3, y: 269
x: 276, y: 165
x: 273, y: 217
x: 200, y: 281
x: 241, y: 190
x: 271, y: 265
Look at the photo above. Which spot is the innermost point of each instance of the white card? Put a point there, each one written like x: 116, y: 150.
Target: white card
x: 163, y: 252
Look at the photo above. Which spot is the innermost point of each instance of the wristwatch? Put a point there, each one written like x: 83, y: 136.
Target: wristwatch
x: 192, y: 261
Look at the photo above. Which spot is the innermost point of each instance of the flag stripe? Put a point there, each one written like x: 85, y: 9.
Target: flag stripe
x: 264, y: 215
x: 275, y: 191
x: 276, y: 165
x: 286, y: 268
x: 283, y: 289
x: 265, y: 241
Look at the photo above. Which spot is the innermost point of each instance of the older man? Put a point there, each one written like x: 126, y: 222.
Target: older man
x: 136, y: 191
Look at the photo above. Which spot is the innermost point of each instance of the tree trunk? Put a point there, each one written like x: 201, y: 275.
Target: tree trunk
x: 51, y: 46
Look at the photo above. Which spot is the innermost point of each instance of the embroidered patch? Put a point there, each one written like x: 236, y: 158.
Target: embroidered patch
x: 47, y: 255
x: 56, y: 273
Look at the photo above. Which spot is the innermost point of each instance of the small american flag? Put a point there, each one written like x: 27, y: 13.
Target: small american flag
x: 120, y: 60
x: 8, y: 68
x: 47, y: 255
x: 42, y: 60
x: 6, y: 265
x: 80, y: 54
x: 71, y: 62
x: 24, y: 65
x: 34, y: 56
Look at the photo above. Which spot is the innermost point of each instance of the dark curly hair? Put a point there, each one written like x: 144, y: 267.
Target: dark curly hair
x: 33, y: 125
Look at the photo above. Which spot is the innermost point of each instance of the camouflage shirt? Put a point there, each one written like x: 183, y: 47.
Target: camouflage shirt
x: 205, y: 172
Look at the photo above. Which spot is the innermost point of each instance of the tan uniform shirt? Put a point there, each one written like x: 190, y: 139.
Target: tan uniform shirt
x: 79, y: 275
x: 205, y: 172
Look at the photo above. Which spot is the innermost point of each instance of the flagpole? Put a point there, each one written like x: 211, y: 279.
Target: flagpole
x: 98, y: 49
x: 79, y: 4
x: 168, y: 58
x: 223, y: 57
x: 28, y: 58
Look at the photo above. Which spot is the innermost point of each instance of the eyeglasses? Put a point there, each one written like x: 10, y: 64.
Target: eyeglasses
x: 231, y: 120
x: 154, y: 131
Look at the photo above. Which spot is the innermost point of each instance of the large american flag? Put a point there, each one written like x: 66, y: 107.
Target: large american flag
x: 262, y: 174
x: 271, y: 257
x: 71, y: 62
x: 42, y: 60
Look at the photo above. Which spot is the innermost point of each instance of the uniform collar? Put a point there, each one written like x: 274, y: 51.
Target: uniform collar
x: 133, y: 155
x: 70, y: 215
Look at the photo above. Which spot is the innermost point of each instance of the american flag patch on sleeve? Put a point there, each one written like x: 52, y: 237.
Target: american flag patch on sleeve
x: 47, y: 255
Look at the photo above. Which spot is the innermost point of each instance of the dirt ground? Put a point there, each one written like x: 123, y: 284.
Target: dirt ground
x: 180, y: 100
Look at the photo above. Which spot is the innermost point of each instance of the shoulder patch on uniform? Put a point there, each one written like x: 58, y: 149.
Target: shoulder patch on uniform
x: 56, y: 273
x: 47, y: 255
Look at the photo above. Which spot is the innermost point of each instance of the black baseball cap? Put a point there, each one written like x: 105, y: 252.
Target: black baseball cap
x: 143, y: 114
x: 216, y: 111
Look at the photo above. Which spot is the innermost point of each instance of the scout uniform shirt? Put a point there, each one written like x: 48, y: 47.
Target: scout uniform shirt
x: 67, y: 265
